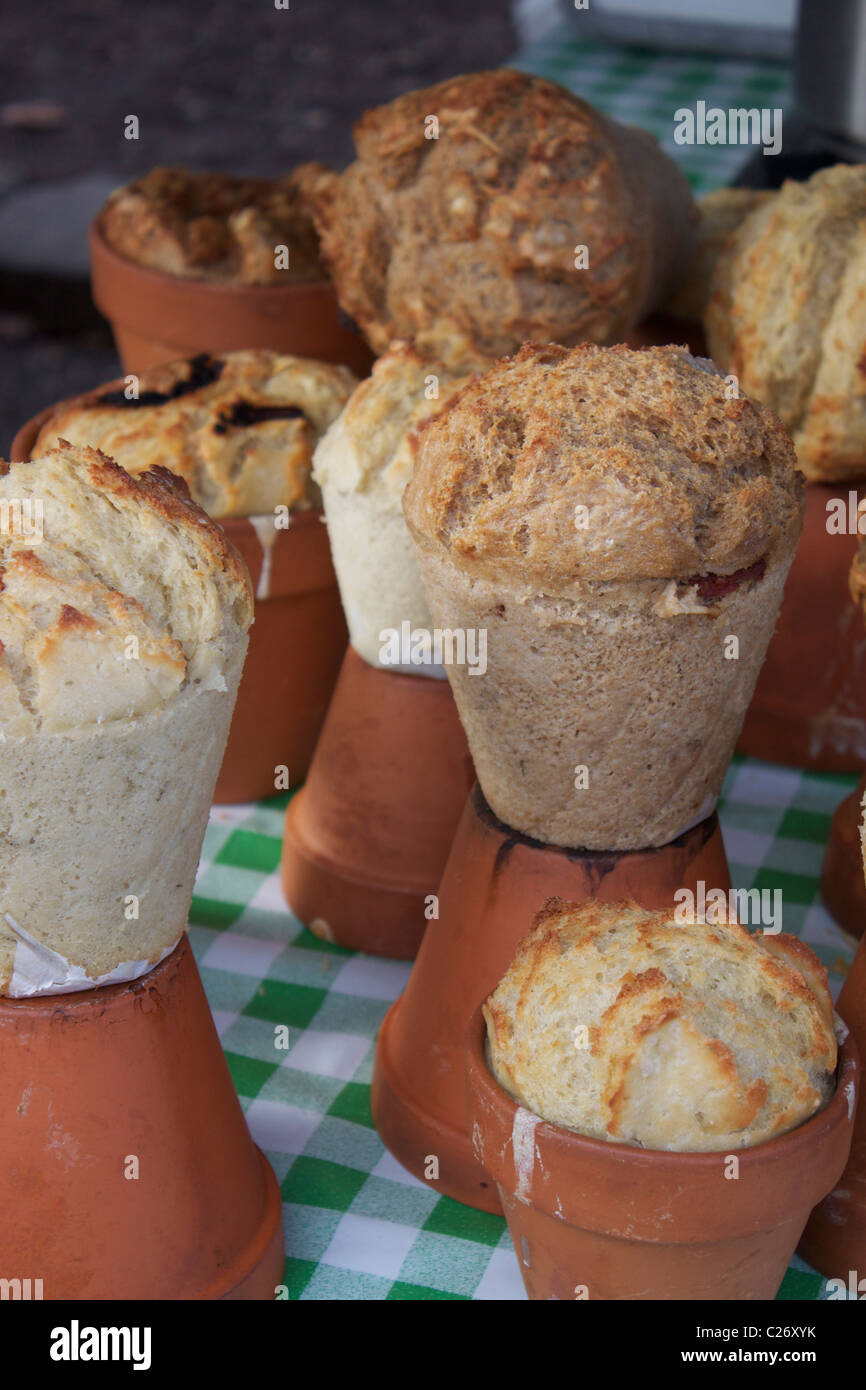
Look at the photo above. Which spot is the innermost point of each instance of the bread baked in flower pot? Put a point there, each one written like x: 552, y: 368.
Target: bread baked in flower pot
x: 367, y: 837
x: 497, y: 207
x: 660, y: 1105
x: 123, y: 627
x: 185, y: 262
x: 240, y: 429
x: 784, y: 315
x: 619, y: 526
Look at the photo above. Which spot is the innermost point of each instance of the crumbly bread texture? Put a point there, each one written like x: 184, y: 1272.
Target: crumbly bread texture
x: 362, y: 466
x: 787, y: 316
x: 720, y: 214
x: 239, y: 428
x: 123, y: 628
x: 625, y: 1025
x: 621, y: 531
x: 467, y: 232
x: 209, y: 226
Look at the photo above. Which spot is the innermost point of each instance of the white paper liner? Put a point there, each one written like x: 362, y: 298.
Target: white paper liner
x: 37, y: 970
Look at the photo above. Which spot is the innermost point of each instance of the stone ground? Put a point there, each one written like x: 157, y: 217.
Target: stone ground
x: 219, y: 84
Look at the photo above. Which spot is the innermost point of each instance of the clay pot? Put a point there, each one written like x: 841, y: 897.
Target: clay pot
x: 157, y: 318
x: 494, y: 882
x: 843, y: 887
x: 809, y: 706
x: 100, y: 1086
x: 612, y: 1221
x: 835, y: 1239
x: 367, y: 837
x: 297, y: 642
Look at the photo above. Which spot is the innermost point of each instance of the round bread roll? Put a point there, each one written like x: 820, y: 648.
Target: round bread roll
x: 239, y: 428
x: 362, y: 466
x: 621, y: 531
x: 785, y: 315
x: 460, y: 222
x: 628, y: 1026
x: 123, y: 628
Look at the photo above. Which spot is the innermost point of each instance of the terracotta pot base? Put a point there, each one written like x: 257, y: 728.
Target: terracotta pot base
x: 843, y: 887
x: 835, y: 1238
x: 98, y: 1086
x: 809, y: 705
x: 367, y: 837
x: 157, y: 318
x: 599, y: 1221
x: 494, y: 882
x: 297, y: 642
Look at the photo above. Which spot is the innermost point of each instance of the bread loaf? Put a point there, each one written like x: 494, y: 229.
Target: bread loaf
x: 621, y: 530
x: 461, y: 222
x: 626, y: 1025
x: 785, y: 315
x: 362, y: 466
x: 720, y: 214
x: 240, y: 428
x: 123, y: 627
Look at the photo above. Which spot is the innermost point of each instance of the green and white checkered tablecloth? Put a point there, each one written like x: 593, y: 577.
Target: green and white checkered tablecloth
x: 357, y: 1225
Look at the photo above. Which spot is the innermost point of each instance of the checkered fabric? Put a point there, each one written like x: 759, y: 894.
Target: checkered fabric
x: 298, y: 1018
x: 298, y: 1021
x: 643, y: 87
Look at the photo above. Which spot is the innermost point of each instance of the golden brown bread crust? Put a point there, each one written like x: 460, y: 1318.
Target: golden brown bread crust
x: 469, y: 238
x: 239, y: 428
x: 676, y: 480
x: 787, y: 315
x: 626, y: 1025
x: 213, y: 227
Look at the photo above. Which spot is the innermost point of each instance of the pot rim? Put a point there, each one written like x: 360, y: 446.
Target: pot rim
x: 613, y: 1168
x: 150, y: 278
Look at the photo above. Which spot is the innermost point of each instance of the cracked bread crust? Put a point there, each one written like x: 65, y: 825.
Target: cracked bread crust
x: 209, y: 226
x: 566, y: 465
x: 696, y: 1037
x: 240, y: 428
x: 468, y: 240
x: 787, y: 315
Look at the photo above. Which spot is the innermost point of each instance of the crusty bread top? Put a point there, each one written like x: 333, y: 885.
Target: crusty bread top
x: 466, y: 233
x: 116, y: 593
x: 239, y: 428
x: 624, y: 1025
x: 786, y: 315
x: 209, y: 226
x: 675, y: 479
x: 369, y: 446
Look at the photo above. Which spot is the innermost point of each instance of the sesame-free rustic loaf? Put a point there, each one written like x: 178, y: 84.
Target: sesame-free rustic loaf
x: 210, y: 226
x: 123, y: 628
x: 786, y: 316
x: 240, y: 428
x: 362, y: 466
x: 628, y: 1026
x: 467, y: 231
x: 621, y: 531
x: 720, y: 214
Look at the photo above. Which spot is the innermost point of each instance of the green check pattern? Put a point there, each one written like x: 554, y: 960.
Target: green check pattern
x: 298, y: 1018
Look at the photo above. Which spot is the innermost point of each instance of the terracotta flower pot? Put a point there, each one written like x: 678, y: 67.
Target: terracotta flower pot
x: 157, y: 317
x: 297, y: 642
x: 835, y: 1238
x: 126, y: 1167
x: 614, y: 1221
x: 843, y: 887
x: 367, y: 837
x: 809, y: 706
x: 494, y: 882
